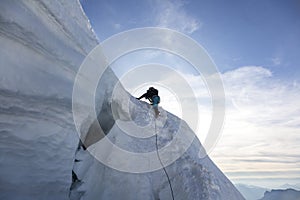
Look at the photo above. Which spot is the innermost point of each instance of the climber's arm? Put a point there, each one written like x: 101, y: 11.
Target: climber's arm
x: 143, y: 96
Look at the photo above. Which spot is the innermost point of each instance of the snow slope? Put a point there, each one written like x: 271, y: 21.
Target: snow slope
x: 251, y: 192
x: 191, y: 177
x: 42, y: 46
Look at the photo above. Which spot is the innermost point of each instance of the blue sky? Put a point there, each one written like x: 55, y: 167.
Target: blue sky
x: 235, y: 33
x: 256, y: 46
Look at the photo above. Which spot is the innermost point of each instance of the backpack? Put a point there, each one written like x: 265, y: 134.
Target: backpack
x: 153, y: 91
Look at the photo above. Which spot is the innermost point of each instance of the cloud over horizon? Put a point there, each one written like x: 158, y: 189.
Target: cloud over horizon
x: 261, y: 133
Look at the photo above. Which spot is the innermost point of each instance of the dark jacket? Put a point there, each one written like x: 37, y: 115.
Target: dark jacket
x: 151, y: 92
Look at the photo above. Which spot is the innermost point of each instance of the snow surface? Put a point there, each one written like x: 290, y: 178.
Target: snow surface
x: 42, y: 46
x: 251, y: 192
x: 191, y: 177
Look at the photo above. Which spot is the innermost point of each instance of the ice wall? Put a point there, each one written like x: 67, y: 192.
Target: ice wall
x: 42, y: 45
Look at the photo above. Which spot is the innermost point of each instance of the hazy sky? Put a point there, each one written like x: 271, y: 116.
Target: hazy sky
x: 256, y: 47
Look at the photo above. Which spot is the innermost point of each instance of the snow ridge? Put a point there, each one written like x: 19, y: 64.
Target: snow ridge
x: 191, y: 177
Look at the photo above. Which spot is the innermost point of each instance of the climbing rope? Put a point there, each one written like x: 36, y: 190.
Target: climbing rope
x: 162, y: 163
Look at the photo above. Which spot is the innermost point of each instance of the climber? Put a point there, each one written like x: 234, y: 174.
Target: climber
x: 152, y: 96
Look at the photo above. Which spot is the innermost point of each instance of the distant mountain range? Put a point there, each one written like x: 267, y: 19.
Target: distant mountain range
x: 289, y: 186
x: 288, y: 194
x: 251, y: 192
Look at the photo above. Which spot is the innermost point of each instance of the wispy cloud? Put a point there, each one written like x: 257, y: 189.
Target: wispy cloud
x: 261, y: 99
x: 276, y: 61
x: 172, y: 14
x: 262, y: 126
x: 117, y: 26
